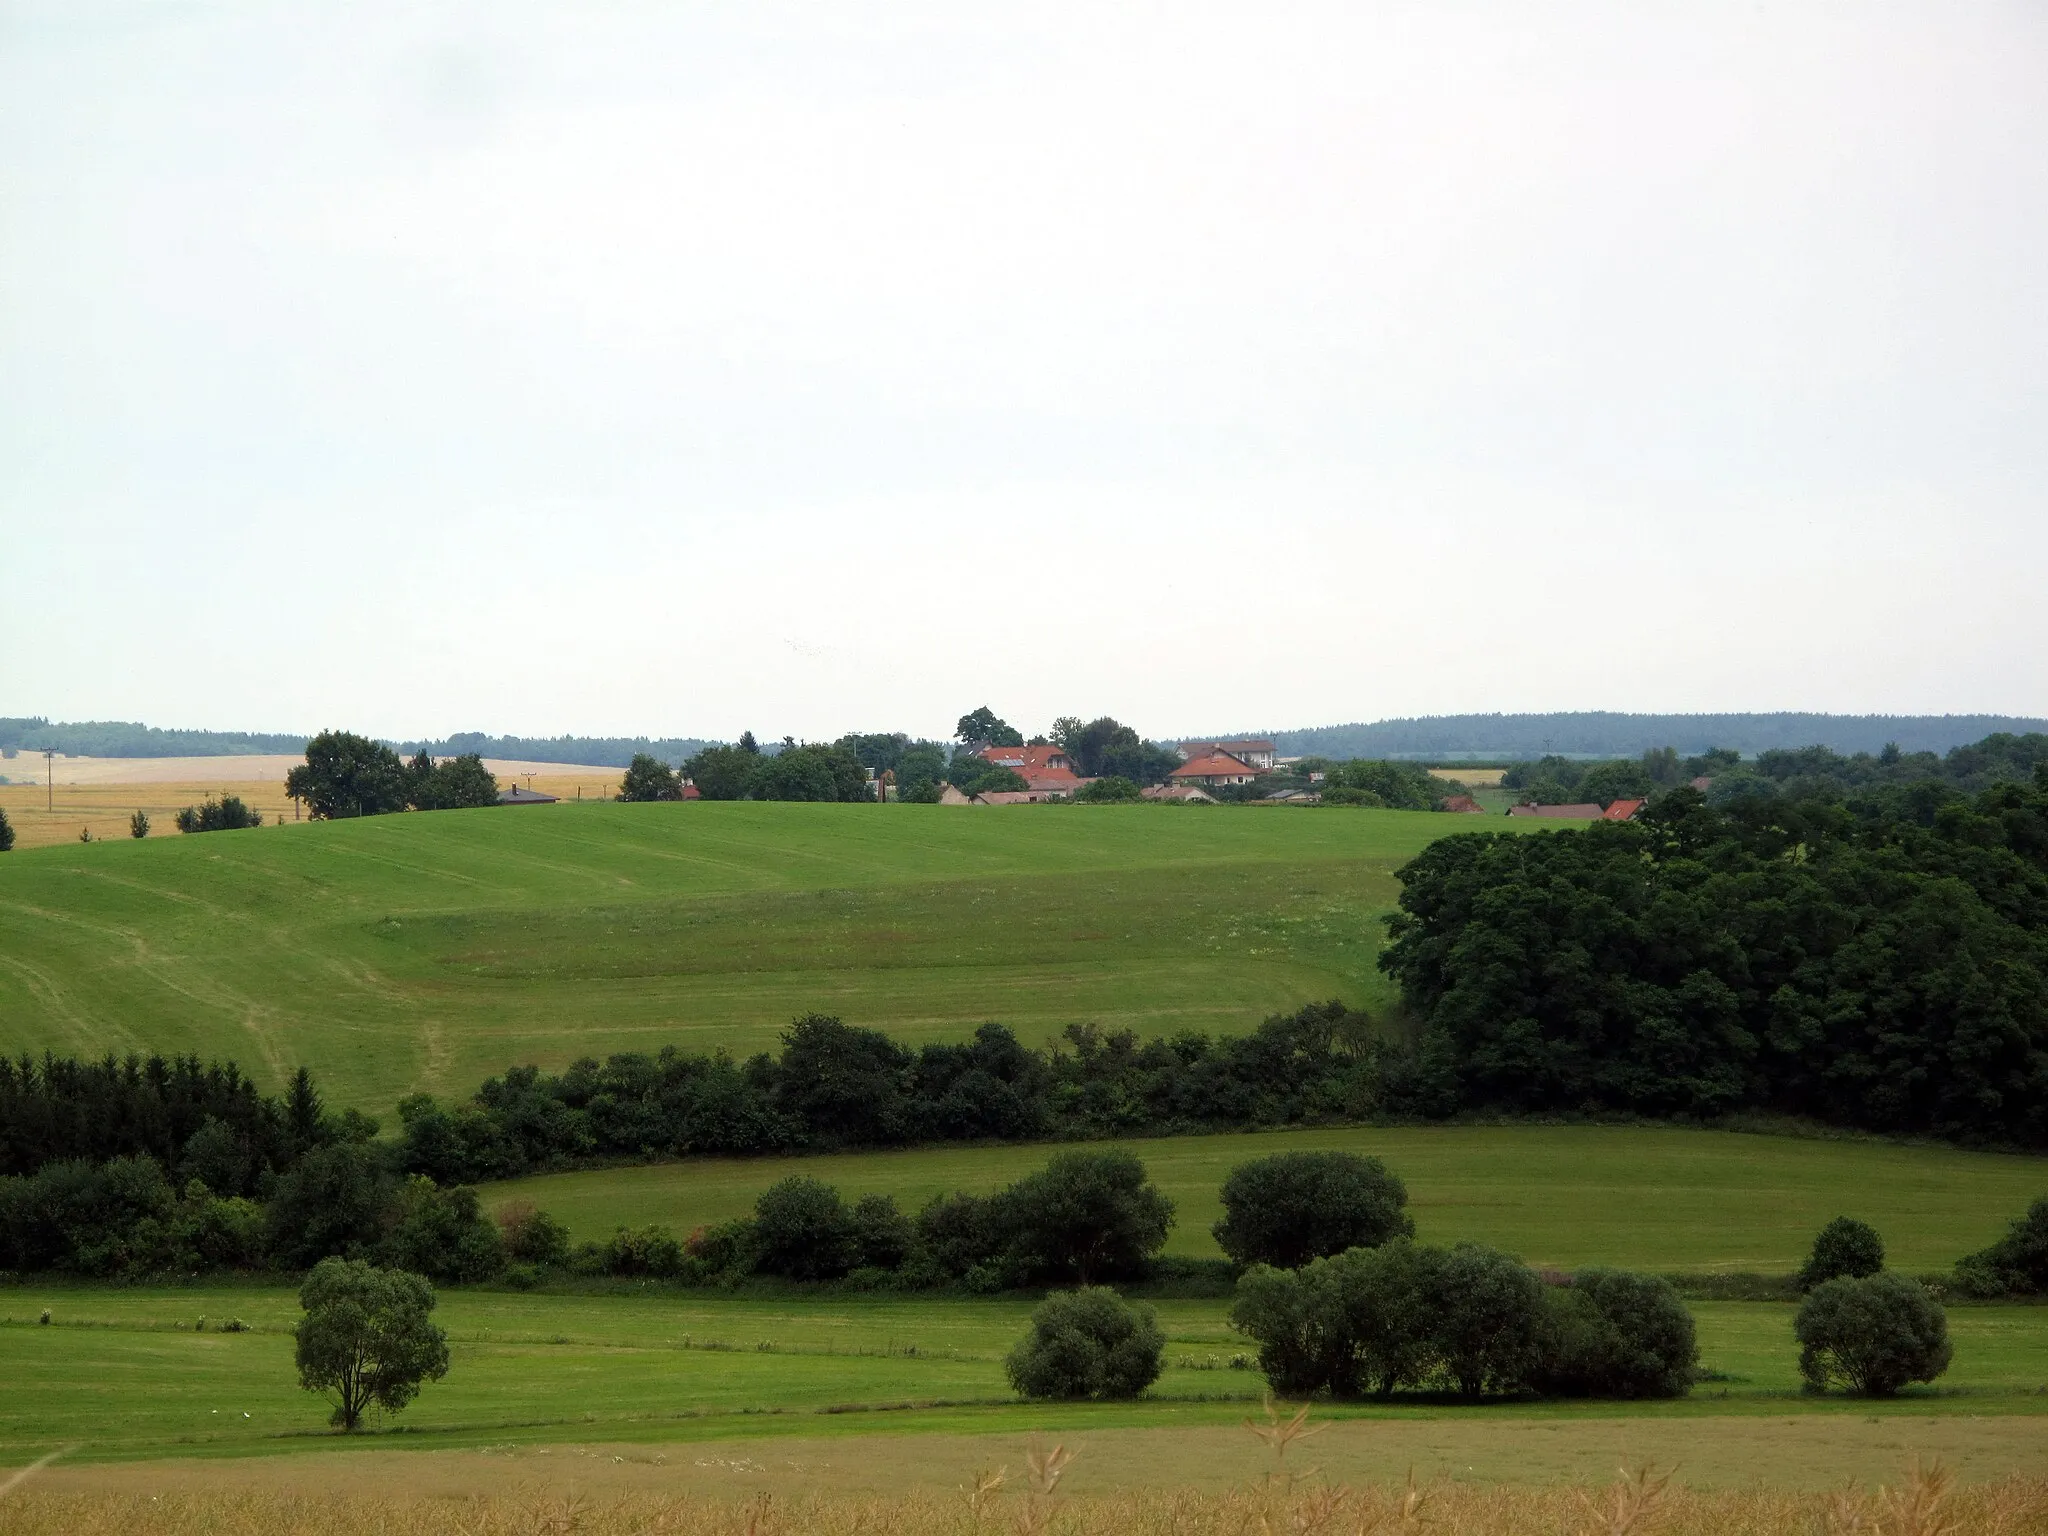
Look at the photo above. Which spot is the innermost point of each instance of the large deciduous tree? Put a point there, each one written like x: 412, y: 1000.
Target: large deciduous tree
x: 649, y: 778
x: 367, y: 1338
x: 348, y: 775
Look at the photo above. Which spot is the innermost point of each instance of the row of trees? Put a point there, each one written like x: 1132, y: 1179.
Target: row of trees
x: 1853, y: 962
x: 837, y: 1085
x: 349, y: 775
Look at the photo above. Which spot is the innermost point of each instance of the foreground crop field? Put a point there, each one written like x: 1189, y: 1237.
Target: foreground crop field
x: 402, y: 953
x: 122, y: 1374
x: 1641, y: 1197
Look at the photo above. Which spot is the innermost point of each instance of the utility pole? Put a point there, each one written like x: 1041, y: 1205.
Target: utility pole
x: 50, y: 779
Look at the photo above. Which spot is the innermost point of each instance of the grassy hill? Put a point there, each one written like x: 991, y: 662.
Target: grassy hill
x: 429, y: 951
x: 1659, y: 1199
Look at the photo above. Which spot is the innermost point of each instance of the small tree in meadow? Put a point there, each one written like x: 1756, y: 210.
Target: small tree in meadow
x: 1086, y: 1215
x: 367, y: 1338
x: 1845, y: 1247
x: 649, y: 778
x: 138, y: 825
x: 1871, y: 1334
x: 6, y: 833
x: 1089, y: 1343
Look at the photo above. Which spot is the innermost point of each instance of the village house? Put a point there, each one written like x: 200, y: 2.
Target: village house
x: 1258, y: 755
x: 1214, y: 769
x: 1044, y: 770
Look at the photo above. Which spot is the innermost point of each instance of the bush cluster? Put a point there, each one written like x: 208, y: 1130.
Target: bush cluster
x: 1872, y: 1334
x: 1087, y: 1344
x: 2015, y: 1265
x: 1085, y: 1216
x: 1468, y: 1320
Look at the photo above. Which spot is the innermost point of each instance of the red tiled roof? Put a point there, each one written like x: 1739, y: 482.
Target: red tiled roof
x: 1041, y: 767
x: 1215, y: 766
x: 1622, y: 810
x: 1463, y: 803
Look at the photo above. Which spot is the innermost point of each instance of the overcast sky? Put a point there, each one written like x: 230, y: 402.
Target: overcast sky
x: 682, y: 369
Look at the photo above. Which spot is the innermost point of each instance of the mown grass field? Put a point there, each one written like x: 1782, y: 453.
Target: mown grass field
x: 1650, y: 1198
x: 403, y: 953
x: 123, y: 1374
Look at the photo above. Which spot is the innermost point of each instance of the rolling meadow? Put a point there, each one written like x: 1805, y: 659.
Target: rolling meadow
x: 398, y: 954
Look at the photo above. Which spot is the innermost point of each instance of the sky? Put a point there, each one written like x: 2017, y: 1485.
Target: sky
x: 681, y: 369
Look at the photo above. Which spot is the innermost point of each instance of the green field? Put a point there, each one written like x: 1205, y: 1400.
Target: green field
x: 402, y: 953
x: 124, y: 1373
x: 1645, y: 1198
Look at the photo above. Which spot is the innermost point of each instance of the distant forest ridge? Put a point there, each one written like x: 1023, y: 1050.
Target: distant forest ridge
x: 127, y: 738
x: 1606, y: 733
x: 1434, y: 738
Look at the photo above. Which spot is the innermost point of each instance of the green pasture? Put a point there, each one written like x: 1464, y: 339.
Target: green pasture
x: 125, y: 1374
x: 1654, y: 1198
x: 403, y: 953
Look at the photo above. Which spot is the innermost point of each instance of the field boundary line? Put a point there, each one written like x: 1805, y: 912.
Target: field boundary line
x: 34, y: 1467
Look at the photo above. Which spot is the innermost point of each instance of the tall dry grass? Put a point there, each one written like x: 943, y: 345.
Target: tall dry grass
x: 1291, y: 1500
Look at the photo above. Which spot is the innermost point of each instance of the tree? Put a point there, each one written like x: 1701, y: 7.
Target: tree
x: 882, y: 1235
x: 6, y: 834
x: 725, y: 773
x: 920, y: 773
x: 227, y: 814
x: 335, y: 1202
x: 1087, y: 1215
x: 1614, y: 1334
x: 811, y: 772
x: 804, y: 1230
x: 1365, y: 1319
x: 1295, y: 1206
x: 367, y: 1338
x: 983, y: 728
x: 348, y: 775
x: 1089, y: 1344
x: 1609, y: 782
x: 531, y: 1235
x: 973, y: 775
x: 460, y: 783
x: 1066, y: 732
x: 138, y: 825
x: 649, y: 778
x: 1845, y: 1246
x: 1873, y: 1335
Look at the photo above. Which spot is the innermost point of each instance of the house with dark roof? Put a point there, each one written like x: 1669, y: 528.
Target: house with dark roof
x: 517, y: 796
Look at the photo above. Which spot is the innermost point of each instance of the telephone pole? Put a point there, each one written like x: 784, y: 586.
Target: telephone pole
x: 50, y: 779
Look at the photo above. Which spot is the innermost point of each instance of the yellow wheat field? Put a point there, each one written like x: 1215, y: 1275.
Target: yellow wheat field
x: 1925, y: 1504
x: 42, y: 814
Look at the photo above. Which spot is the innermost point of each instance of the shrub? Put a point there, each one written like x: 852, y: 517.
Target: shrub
x: 651, y: 1250
x: 1614, y: 1334
x: 727, y: 1249
x: 1089, y: 1343
x: 803, y: 1230
x: 882, y: 1234
x: 443, y: 1234
x: 138, y: 824
x: 1845, y: 1246
x: 2015, y: 1265
x: 1296, y: 1206
x: 1491, y: 1305
x: 531, y: 1235
x: 227, y: 814
x: 1111, y: 789
x: 6, y: 833
x: 1366, y: 1320
x: 366, y: 1338
x: 959, y: 1233
x: 1087, y: 1215
x: 332, y: 1204
x: 1873, y: 1334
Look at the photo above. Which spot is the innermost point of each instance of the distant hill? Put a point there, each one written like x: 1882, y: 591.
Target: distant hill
x: 1605, y: 733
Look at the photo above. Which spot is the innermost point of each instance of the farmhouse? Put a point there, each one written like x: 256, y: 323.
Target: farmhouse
x: 1213, y: 769
x: 1045, y: 770
x: 1178, y: 794
x: 517, y: 796
x: 1259, y: 755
